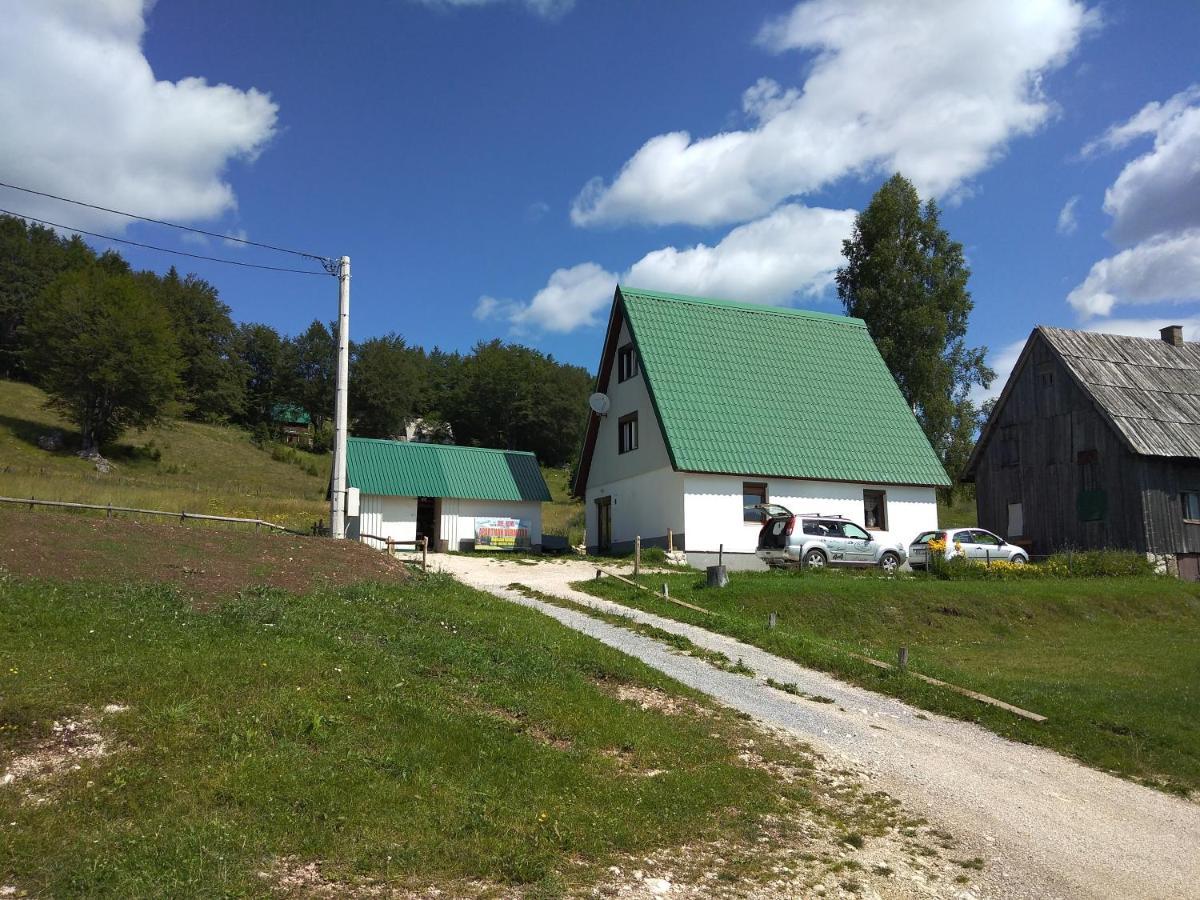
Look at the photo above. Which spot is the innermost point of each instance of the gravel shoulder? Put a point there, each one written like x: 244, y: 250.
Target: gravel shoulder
x: 1046, y: 825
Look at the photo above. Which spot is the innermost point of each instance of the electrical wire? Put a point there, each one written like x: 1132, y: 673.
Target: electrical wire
x: 324, y: 260
x: 108, y: 237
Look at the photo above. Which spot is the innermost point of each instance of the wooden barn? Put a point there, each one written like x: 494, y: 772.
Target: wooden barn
x: 1094, y: 443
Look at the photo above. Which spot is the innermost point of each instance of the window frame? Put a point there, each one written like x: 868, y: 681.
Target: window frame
x: 627, y: 362
x: 1183, y: 499
x: 754, y: 516
x: 623, y: 446
x: 883, y: 510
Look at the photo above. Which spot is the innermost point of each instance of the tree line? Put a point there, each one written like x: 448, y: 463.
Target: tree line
x: 117, y: 349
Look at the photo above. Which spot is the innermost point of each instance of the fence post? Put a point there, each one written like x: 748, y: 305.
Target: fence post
x: 772, y: 619
x: 670, y: 540
x: 391, y: 546
x: 721, y: 555
x: 637, y: 556
x: 424, y: 553
x: 902, y: 659
x: 988, y: 555
x: 666, y: 590
x: 109, y: 514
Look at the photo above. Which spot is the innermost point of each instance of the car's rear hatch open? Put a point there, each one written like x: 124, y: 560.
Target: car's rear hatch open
x: 778, y: 522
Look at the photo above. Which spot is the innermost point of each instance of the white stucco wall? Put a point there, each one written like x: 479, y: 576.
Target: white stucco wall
x: 609, y: 466
x: 396, y: 517
x: 713, y: 508
x: 646, y: 504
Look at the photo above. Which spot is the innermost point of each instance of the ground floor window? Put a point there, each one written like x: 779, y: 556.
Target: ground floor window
x: 1191, y: 506
x: 753, y: 492
x: 875, y: 510
x: 1016, y: 520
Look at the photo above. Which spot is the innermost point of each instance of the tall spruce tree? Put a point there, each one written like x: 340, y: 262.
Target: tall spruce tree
x: 907, y: 280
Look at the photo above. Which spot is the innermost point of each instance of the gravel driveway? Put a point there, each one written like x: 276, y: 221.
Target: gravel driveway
x: 1046, y: 825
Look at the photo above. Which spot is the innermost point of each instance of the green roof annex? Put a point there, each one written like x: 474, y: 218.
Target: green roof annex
x: 743, y: 389
x: 410, y: 469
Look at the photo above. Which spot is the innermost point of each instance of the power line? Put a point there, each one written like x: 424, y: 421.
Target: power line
x: 324, y: 260
x: 108, y: 237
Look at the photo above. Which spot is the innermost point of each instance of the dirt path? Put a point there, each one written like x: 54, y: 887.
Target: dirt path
x: 1045, y: 825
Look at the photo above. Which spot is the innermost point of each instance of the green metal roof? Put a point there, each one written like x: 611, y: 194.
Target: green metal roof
x: 411, y: 469
x: 762, y: 390
x: 289, y: 412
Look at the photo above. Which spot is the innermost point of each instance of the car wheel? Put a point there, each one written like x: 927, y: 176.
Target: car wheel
x: 815, y: 559
x: 1018, y: 560
x: 890, y: 563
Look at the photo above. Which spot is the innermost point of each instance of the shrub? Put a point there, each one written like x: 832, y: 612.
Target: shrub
x: 654, y: 556
x: 1102, y: 563
x: 1085, y: 564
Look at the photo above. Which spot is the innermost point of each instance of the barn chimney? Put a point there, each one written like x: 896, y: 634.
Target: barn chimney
x: 1173, y: 335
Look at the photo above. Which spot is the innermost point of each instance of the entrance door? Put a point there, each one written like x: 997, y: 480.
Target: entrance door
x: 604, y: 524
x: 427, y: 520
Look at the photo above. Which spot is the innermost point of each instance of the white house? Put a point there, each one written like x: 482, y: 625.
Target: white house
x: 713, y: 406
x: 459, y: 497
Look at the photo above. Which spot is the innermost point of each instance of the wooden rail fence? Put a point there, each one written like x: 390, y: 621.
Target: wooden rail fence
x: 182, y: 515
x: 391, y: 545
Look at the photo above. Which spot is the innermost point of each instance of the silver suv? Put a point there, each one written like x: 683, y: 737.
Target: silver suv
x: 815, y: 541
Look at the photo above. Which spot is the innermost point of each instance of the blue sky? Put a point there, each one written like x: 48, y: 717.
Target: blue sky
x: 492, y: 168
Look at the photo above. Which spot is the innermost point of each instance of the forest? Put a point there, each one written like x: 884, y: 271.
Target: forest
x: 118, y: 349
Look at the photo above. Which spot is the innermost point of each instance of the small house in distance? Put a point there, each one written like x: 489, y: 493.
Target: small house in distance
x: 459, y: 497
x: 293, y: 424
x: 1095, y: 442
x: 713, y: 406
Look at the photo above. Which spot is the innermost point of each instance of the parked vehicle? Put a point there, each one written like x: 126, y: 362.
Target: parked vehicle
x: 787, y: 540
x: 975, y: 544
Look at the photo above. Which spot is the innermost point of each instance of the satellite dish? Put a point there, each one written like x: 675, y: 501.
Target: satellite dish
x: 599, y: 403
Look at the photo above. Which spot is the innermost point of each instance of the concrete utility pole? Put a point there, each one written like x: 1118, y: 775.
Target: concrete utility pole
x: 337, y: 493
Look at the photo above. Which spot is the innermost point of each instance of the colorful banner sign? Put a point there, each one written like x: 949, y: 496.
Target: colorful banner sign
x: 501, y: 534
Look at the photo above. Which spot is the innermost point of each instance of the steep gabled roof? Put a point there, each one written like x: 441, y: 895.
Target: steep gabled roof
x: 409, y: 469
x: 761, y: 390
x: 1147, y: 390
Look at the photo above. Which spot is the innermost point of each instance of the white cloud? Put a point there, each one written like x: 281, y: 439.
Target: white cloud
x: 85, y: 117
x: 1067, y: 223
x: 793, y: 252
x: 932, y: 88
x: 1160, y: 269
x: 1155, y: 206
x: 1160, y: 190
x: 1148, y: 120
x: 547, y: 9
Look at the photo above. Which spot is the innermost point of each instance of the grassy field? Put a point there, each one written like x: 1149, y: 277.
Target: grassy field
x: 405, y: 732
x: 187, y: 465
x: 1114, y: 663
x: 563, y: 515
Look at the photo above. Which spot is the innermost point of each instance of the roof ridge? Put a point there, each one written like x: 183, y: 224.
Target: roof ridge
x: 762, y: 308
x: 430, y: 444
x: 1110, y: 334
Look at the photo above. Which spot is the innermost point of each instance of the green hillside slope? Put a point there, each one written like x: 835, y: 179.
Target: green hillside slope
x: 201, y: 468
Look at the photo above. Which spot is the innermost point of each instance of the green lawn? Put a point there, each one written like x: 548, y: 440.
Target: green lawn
x: 417, y: 733
x: 564, y: 514
x: 185, y: 465
x: 1114, y: 663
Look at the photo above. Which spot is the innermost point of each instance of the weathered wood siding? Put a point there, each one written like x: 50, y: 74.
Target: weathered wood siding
x: 1033, y: 458
x: 1163, y: 482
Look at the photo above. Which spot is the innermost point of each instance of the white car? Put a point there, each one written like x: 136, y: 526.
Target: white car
x: 975, y: 544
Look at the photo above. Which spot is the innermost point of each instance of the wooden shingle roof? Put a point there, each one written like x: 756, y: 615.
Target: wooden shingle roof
x: 1147, y: 388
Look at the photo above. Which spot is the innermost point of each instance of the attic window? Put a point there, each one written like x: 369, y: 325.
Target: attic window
x: 1045, y: 375
x: 627, y: 364
x: 627, y: 433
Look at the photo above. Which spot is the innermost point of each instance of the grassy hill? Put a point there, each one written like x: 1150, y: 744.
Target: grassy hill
x: 185, y: 465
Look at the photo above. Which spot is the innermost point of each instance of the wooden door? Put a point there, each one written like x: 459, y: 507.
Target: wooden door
x: 604, y: 524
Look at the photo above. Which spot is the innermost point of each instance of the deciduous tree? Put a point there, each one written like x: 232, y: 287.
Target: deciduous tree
x: 907, y: 280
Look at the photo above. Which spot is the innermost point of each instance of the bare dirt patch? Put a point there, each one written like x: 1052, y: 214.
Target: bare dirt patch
x: 652, y: 698
x: 72, y: 741
x: 292, y: 878
x: 207, y: 562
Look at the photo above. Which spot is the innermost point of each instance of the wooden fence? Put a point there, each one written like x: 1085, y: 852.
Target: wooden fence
x: 182, y: 515
x: 391, y: 544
